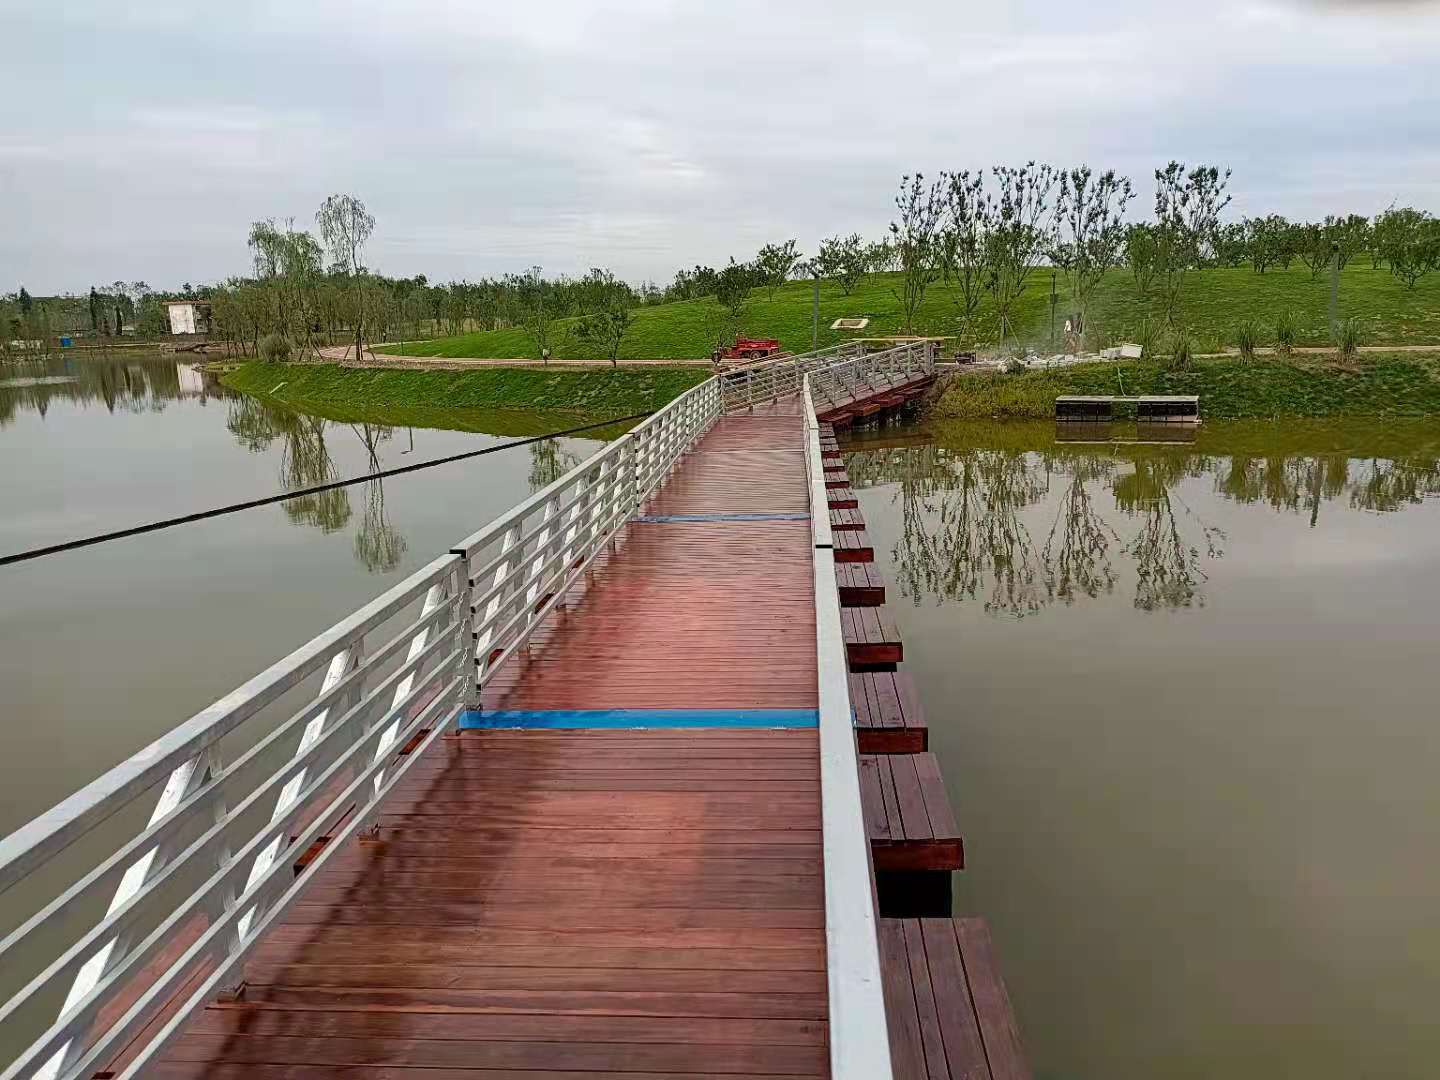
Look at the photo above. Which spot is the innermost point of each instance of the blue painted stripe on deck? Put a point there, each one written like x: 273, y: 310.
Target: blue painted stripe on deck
x: 641, y: 718
x: 664, y: 519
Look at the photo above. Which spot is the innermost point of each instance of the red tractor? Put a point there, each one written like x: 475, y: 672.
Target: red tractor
x: 750, y: 349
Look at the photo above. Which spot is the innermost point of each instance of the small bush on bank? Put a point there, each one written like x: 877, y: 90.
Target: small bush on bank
x: 1347, y: 338
x: 1247, y: 337
x: 274, y: 348
x: 1181, y: 352
x: 1286, y: 332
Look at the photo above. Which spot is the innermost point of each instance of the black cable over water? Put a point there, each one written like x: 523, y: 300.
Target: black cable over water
x: 233, y: 508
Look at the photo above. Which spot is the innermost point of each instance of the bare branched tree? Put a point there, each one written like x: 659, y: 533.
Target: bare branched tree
x: 1090, y: 211
x: 843, y: 260
x: 1187, y: 210
x: 963, y: 247
x: 916, y: 237
x: 1020, y: 230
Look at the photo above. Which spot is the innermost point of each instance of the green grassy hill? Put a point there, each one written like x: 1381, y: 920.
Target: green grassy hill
x: 1215, y: 303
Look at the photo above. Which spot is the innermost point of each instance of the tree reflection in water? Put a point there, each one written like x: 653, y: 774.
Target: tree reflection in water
x: 548, y: 462
x: 966, y: 515
x: 305, y: 461
x: 378, y: 545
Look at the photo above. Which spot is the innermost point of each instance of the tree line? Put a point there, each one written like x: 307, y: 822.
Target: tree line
x: 983, y: 234
x: 980, y: 235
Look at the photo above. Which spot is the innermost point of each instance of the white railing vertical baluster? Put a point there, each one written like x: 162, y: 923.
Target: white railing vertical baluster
x: 340, y: 665
x: 434, y: 597
x: 485, y: 638
x: 532, y: 594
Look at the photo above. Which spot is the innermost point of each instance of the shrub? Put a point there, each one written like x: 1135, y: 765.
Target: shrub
x: 1015, y: 366
x: 1181, y: 352
x: 275, y: 348
x: 1285, y: 333
x: 1247, y: 336
x: 1347, y: 337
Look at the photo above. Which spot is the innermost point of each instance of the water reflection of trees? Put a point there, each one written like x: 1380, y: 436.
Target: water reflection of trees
x: 967, y: 515
x: 305, y: 461
x: 549, y: 461
x: 378, y: 545
x: 133, y: 383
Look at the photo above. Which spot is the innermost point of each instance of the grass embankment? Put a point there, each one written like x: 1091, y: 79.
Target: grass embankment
x: 1231, y: 388
x: 1215, y: 303
x: 598, y: 392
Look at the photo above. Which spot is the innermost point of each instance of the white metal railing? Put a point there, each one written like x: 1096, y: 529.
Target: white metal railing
x: 841, y: 373
x: 173, y: 864
x: 770, y: 380
x: 856, y: 377
x: 859, y: 1039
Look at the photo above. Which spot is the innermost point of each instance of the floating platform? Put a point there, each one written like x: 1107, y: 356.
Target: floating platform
x: 1149, y: 408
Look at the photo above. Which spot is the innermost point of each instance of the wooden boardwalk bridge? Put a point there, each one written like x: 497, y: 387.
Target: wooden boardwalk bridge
x: 606, y: 791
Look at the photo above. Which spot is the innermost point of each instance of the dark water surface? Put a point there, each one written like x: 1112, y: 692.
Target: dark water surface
x: 1184, y: 697
x: 103, y: 649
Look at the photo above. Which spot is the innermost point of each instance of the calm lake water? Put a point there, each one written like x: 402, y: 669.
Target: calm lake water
x: 1182, y: 694
x: 103, y: 649
x: 1184, y: 699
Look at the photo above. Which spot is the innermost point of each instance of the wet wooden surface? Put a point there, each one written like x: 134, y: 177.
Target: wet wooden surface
x: 589, y: 903
x: 946, y: 1005
x: 907, y: 813
x: 888, y: 715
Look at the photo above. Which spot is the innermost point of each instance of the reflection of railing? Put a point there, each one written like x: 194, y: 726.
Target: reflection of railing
x: 247, y: 798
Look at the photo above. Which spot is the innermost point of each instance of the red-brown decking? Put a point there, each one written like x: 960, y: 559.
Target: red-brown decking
x: 589, y: 903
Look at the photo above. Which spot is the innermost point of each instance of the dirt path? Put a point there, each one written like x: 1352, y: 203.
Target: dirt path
x: 345, y: 356
x: 1328, y: 350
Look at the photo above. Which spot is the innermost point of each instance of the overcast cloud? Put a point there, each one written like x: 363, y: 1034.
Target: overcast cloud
x: 139, y: 140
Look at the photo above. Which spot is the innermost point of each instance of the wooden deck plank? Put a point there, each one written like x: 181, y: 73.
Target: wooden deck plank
x: 871, y: 637
x: 993, y: 1011
x: 597, y: 903
x: 888, y: 718
x: 860, y: 584
x: 910, y: 823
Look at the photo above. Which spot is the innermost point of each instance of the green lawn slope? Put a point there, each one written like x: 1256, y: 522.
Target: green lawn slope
x: 1215, y: 303
x: 597, y: 392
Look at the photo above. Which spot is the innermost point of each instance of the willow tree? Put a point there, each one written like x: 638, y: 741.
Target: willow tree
x: 345, y: 227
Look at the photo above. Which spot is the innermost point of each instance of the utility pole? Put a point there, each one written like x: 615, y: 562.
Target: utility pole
x: 1334, y: 289
x: 815, y: 314
x: 1053, y: 301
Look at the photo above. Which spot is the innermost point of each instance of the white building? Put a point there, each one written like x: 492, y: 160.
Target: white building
x: 189, y: 316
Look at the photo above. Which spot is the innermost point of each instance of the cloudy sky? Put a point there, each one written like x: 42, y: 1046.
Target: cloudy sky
x: 138, y: 140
